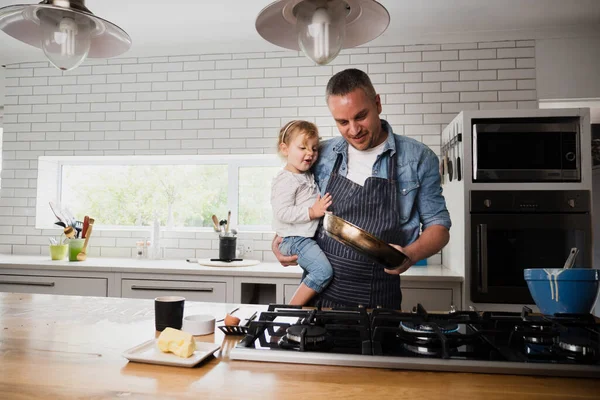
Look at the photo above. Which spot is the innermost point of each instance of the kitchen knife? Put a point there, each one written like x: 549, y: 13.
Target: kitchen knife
x: 450, y: 166
x: 458, y: 166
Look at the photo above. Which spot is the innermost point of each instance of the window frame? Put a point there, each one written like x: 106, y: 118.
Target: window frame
x: 50, y: 170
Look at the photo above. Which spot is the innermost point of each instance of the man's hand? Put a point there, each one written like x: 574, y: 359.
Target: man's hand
x: 405, y: 266
x: 432, y: 240
x: 318, y: 209
x: 286, y: 261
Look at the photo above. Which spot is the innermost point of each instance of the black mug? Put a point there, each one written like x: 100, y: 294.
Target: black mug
x: 227, y: 248
x: 168, y: 312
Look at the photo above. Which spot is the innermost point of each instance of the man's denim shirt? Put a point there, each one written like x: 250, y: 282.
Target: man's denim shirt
x: 420, y: 199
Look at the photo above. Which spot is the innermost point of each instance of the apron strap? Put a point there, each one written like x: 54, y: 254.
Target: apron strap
x: 336, y: 165
x: 392, y: 169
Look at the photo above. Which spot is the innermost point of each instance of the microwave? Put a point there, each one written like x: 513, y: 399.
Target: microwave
x: 526, y: 149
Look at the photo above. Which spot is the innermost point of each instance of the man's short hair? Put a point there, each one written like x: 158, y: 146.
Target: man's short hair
x: 347, y: 81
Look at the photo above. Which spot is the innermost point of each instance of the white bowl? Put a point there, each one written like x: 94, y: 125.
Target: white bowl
x: 202, y: 324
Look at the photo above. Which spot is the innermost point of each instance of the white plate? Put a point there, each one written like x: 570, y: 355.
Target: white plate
x: 243, y: 263
x: 148, y: 352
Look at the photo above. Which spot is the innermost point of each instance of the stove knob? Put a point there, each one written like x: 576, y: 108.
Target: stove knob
x: 571, y: 203
x: 452, y: 309
x: 487, y: 203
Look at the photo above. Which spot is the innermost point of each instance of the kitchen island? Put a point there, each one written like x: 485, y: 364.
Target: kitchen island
x: 69, y: 347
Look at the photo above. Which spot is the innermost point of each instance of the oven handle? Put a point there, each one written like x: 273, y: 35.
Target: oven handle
x: 482, y: 254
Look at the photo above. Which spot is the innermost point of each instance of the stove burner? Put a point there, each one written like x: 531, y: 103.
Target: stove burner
x: 546, y: 340
x: 426, y: 327
x: 574, y: 345
x: 314, y: 334
x: 306, y: 338
x: 421, y: 350
x: 540, y: 328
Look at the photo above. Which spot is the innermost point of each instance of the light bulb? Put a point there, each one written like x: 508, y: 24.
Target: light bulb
x: 65, y: 40
x: 321, y: 28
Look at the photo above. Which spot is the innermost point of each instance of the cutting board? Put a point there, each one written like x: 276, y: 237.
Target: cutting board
x: 242, y: 263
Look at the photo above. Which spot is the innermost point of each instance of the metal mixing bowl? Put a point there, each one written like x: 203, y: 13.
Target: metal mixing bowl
x: 364, y: 242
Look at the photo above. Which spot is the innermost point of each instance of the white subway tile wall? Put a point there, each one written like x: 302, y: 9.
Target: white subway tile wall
x: 227, y: 104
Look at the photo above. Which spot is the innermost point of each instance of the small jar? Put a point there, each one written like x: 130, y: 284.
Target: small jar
x: 139, y: 249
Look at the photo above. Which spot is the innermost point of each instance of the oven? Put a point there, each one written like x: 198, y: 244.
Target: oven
x: 526, y: 149
x: 515, y: 230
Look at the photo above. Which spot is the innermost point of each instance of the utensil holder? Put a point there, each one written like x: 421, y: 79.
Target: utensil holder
x: 75, y: 247
x: 227, y: 247
x: 58, y: 251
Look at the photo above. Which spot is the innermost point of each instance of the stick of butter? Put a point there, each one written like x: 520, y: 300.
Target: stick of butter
x: 177, y: 342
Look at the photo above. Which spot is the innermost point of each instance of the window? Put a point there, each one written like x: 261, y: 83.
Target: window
x: 182, y: 192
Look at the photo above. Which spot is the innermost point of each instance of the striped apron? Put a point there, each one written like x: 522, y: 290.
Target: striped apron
x: 373, y: 207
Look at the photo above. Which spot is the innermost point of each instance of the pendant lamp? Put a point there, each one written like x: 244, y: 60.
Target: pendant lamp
x: 321, y: 28
x: 65, y: 30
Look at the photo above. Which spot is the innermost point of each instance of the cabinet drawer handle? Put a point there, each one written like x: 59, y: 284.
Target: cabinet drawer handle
x: 171, y: 289
x: 25, y: 283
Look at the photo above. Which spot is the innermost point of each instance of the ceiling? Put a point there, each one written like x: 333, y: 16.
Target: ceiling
x: 180, y: 27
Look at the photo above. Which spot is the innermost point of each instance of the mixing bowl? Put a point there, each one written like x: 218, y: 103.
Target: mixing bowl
x: 559, y: 290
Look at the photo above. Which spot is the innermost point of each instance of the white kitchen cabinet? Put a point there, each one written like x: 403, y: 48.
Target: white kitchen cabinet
x: 288, y: 292
x: 263, y: 290
x: 76, y: 286
x: 434, y: 296
x: 435, y: 287
x: 215, y: 292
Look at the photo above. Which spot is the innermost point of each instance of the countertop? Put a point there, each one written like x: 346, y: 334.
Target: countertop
x: 63, y: 347
x: 132, y: 265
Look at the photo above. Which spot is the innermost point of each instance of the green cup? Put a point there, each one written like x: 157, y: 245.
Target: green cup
x: 58, y: 251
x: 75, y: 247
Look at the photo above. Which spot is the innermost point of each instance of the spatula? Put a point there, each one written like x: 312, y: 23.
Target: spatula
x: 83, y: 255
x: 571, y: 259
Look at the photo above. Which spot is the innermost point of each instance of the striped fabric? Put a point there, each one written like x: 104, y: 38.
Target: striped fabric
x: 356, y: 279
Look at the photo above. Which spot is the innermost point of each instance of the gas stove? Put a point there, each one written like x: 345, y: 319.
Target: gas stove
x: 458, y: 341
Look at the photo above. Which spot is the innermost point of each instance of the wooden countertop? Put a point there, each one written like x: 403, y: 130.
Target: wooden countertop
x: 66, y: 347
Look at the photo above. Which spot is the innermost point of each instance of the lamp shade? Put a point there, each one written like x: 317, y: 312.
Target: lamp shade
x: 65, y: 30
x: 288, y: 24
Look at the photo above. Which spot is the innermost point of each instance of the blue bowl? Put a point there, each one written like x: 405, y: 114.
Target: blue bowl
x: 557, y: 290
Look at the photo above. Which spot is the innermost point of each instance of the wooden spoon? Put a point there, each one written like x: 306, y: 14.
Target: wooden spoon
x: 69, y: 232
x: 216, y: 223
x: 82, y: 255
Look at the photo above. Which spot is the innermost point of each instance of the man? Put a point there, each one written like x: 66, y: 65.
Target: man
x: 385, y: 183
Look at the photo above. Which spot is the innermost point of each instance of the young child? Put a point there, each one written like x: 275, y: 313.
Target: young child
x: 297, y: 207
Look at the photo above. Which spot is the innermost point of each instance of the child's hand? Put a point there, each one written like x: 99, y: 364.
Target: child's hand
x: 318, y: 209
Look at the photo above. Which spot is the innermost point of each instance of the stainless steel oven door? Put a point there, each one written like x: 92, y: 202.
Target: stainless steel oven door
x: 504, y: 245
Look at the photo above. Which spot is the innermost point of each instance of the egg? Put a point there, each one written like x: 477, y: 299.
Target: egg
x: 231, y: 320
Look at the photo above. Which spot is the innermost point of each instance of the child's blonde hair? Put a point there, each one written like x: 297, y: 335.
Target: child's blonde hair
x: 295, y: 128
